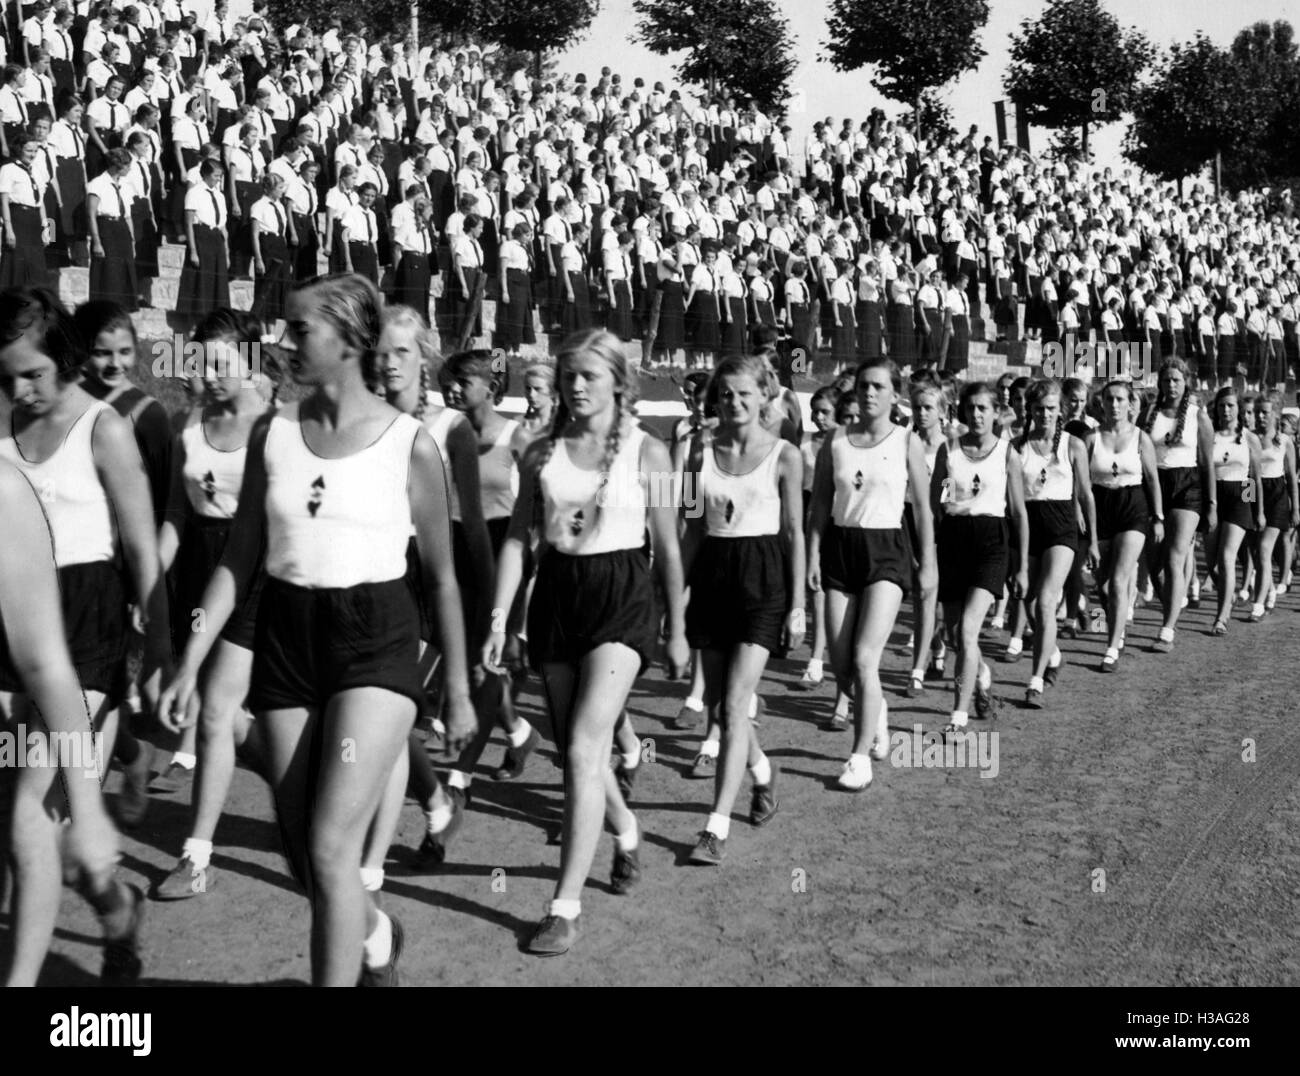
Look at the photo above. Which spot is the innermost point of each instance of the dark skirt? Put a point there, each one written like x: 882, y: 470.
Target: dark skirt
x: 24, y: 264
x: 869, y: 329
x: 1227, y: 358
x: 844, y: 338
x: 672, y: 317
x: 365, y: 260
x: 72, y: 187
x: 176, y: 200
x: 902, y: 334
x: 932, y: 340
x: 580, y: 603
x: 959, y: 347
x: 271, y: 287
x: 305, y: 253
x: 801, y: 327
x: 734, y: 332
x: 575, y: 316
x: 738, y: 594
x: 112, y: 276
x: 207, y: 287
x: 515, y: 318
x: 702, y: 322
x: 241, y: 228
x: 618, y: 319
x: 411, y: 281
x: 146, y: 239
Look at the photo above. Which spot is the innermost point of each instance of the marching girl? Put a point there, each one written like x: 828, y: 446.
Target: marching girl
x: 1277, y: 478
x: 822, y: 409
x: 271, y: 233
x: 858, y: 550
x: 515, y: 311
x: 112, y: 242
x: 208, y: 471
x: 82, y: 461
x: 976, y: 488
x: 1183, y: 439
x: 22, y: 212
x: 1126, y: 489
x: 539, y: 398
x: 205, y: 278
x: 1240, y: 498
x: 929, y: 416
x: 1057, y: 493
x: 332, y: 486
x: 744, y: 559
x: 592, y: 622
x: 844, y: 336
x: 34, y: 658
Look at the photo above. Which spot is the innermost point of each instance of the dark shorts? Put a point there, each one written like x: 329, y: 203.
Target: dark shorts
x: 973, y: 552
x: 196, y: 560
x: 1052, y: 523
x: 1119, y: 510
x: 96, y: 624
x: 1277, y: 503
x: 1234, y: 508
x: 580, y: 603
x: 853, y: 558
x: 1180, y: 489
x: 312, y: 644
x: 241, y: 628
x: 738, y: 594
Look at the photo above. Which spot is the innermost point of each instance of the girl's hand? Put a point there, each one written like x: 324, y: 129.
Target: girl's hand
x: 461, y: 721
x: 194, y: 257
x: 178, y: 700
x: 97, y: 249
x: 1211, y: 518
x: 259, y: 265
x: 494, y: 651
x: 796, y: 623
x: 1158, y: 532
x: 677, y: 656
x: 1020, y: 583
x: 514, y: 656
x: 928, y: 576
x: 1094, y: 557
x: 814, y: 577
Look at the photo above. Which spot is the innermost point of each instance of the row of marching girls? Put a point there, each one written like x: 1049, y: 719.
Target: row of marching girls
x: 80, y: 457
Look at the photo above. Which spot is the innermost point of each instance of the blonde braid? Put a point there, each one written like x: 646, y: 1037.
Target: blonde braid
x: 423, y: 404
x: 613, y: 442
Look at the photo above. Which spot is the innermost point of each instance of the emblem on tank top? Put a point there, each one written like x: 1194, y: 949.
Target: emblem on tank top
x: 579, y: 521
x: 1227, y: 456
x: 1114, y: 469
x: 1042, y: 477
x: 731, y: 511
x: 209, y: 487
x: 975, y: 486
x: 858, y: 480
x: 317, y: 492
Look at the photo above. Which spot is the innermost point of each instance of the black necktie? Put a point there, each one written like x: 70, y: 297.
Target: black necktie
x: 144, y: 175
x: 279, y: 218
x: 121, y: 205
x: 216, y: 208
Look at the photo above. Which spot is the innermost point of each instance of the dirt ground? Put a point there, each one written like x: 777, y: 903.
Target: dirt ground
x: 1179, y: 778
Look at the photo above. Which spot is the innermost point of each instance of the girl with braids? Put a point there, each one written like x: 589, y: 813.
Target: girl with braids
x: 592, y: 622
x: 34, y: 657
x: 332, y: 486
x: 929, y: 413
x: 1125, y: 486
x: 858, y: 550
x: 207, y: 472
x: 1240, y: 499
x: 403, y: 374
x: 1277, y: 476
x: 1183, y: 439
x: 976, y: 486
x: 1057, y: 492
x: 539, y: 398
x: 472, y: 385
x: 744, y: 558
x: 83, y: 461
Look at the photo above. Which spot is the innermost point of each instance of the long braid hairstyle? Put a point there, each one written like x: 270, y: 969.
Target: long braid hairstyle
x: 1275, y: 402
x: 1040, y: 390
x: 607, y: 347
x: 399, y: 316
x: 1175, y: 435
x: 1223, y: 394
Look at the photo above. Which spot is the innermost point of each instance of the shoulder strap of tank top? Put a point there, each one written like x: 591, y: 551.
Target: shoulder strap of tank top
x: 506, y: 433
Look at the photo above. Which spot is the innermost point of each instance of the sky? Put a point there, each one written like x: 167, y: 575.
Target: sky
x: 820, y: 90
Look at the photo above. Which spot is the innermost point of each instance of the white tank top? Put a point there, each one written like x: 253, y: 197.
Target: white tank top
x: 584, y: 516
x: 337, y: 523
x: 75, y: 501
x: 440, y: 427
x: 1050, y: 477
x: 498, y: 475
x: 1231, y: 460
x: 1182, y: 454
x: 1116, y: 470
x: 977, y: 487
x: 212, y: 477
x: 1271, y: 458
x: 931, y: 454
x: 741, y: 505
x: 870, y: 483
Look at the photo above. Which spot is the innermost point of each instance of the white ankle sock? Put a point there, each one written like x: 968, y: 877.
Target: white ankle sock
x: 565, y: 909
x: 694, y: 704
x: 457, y: 779
x: 985, y: 678
x: 1054, y: 662
x: 709, y: 748
x: 719, y: 825
x: 436, y: 820
x: 372, y: 880
x: 185, y: 760
x: 377, y: 950
x: 1036, y: 683
x: 198, y: 852
x: 761, y: 771
x: 628, y: 840
x: 520, y: 736
x: 959, y: 718
x: 753, y: 707
x: 631, y: 759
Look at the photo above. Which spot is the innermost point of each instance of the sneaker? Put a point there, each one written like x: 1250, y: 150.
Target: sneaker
x: 1164, y: 643
x: 915, y: 687
x: 940, y: 657
x: 687, y: 719
x: 122, y: 964
x: 1053, y: 673
x: 516, y: 758
x: 997, y: 623
x: 763, y: 803
x: 1257, y: 612
x: 173, y: 779
x: 133, y: 800
x: 951, y: 731
x: 880, y: 743
x: 433, y: 849
x: 1015, y: 647
x: 626, y: 778
x: 554, y: 936
x: 1110, y: 662
x: 1034, y: 697
x: 1220, y: 628
x: 856, y: 775
x: 387, y: 975
x: 626, y: 871
x: 838, y: 723
x: 185, y: 881
x: 709, y: 850
x: 813, y: 675
x: 704, y: 766
x: 985, y: 704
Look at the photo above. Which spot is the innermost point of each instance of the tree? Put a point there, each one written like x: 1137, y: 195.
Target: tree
x: 1075, y: 66
x: 742, y: 46
x: 1192, y: 110
x: 1266, y: 151
x: 538, y: 26
x: 916, y: 46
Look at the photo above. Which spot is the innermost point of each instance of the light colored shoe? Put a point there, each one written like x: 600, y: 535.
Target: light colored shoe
x: 880, y: 745
x: 856, y: 775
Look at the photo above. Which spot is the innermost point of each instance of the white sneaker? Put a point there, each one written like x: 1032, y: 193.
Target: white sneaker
x: 997, y: 623
x: 1015, y: 647
x: 880, y: 745
x: 856, y: 774
x: 814, y: 673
